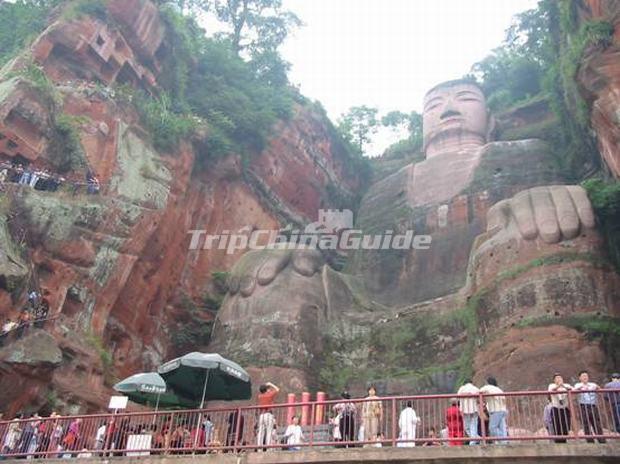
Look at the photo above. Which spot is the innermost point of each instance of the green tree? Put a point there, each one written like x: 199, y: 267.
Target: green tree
x: 395, y: 120
x: 256, y: 26
x: 412, y: 122
x: 20, y: 22
x: 358, y: 124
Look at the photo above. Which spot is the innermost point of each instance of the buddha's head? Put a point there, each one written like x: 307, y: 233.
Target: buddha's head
x: 455, y: 117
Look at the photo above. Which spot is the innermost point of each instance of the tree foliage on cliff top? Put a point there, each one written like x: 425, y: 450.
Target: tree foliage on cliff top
x: 240, y: 99
x: 540, y: 57
x: 20, y: 22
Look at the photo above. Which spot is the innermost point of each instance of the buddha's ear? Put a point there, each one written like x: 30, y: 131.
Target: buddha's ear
x: 491, y: 126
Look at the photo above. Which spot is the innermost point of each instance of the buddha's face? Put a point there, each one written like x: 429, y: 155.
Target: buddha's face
x: 454, y: 110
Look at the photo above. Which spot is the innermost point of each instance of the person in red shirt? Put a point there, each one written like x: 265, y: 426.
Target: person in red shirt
x: 454, y: 422
x: 266, y: 420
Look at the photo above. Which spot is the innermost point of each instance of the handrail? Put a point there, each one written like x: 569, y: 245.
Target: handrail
x: 237, y: 428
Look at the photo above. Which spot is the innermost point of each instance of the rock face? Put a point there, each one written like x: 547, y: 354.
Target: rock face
x: 516, y: 272
x: 599, y: 77
x: 511, y: 249
x: 115, y: 267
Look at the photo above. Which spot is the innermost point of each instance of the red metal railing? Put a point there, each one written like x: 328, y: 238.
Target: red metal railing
x: 530, y: 417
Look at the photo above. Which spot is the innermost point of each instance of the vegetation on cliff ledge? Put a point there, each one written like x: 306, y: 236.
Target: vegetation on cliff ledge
x: 605, y: 198
x: 20, y: 22
x: 539, y: 59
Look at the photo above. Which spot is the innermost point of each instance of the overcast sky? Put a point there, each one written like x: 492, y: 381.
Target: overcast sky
x: 388, y: 53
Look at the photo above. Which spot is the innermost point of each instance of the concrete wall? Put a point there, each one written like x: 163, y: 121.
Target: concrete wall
x: 517, y: 453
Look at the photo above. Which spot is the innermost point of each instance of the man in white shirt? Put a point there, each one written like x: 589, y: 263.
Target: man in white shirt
x: 100, y: 437
x: 560, y: 414
x: 496, y: 405
x: 407, y: 423
x: 590, y: 416
x: 469, y: 409
x: 294, y: 435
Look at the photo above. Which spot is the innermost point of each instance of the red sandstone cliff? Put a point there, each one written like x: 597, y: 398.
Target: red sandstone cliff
x: 599, y: 78
x: 116, y: 267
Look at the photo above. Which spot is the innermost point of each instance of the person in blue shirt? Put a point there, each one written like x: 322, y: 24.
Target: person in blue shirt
x: 614, y: 399
x: 590, y: 416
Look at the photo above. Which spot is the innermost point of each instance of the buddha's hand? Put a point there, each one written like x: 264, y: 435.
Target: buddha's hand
x: 553, y: 213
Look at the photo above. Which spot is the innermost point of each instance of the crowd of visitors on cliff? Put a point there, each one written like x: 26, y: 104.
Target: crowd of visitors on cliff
x: 43, y: 179
x: 34, y: 314
x: 467, y: 420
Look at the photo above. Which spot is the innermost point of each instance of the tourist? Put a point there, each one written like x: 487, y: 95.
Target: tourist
x: 379, y: 438
x: 34, y: 178
x: 547, y: 419
x: 13, y: 436
x: 84, y: 454
x: 496, y: 406
x: 334, y: 423
x: 346, y: 413
x: 44, y: 432
x: 214, y: 445
x: 454, y: 422
x: 432, y: 438
x: 71, y: 440
x: 469, y: 409
x: 266, y: 420
x: 23, y: 323
x: 613, y: 399
x: 179, y: 438
x: 56, y: 434
x: 7, y: 327
x: 197, y: 437
x: 560, y: 414
x: 41, y: 313
x: 587, y: 399
x: 33, y: 299
x: 100, y: 437
x: 407, y: 423
x: 294, y: 435
x: 34, y: 442
x: 25, y: 177
x: 372, y: 414
x: 234, y: 432
x: 16, y: 173
x: 27, y: 437
x: 208, y: 426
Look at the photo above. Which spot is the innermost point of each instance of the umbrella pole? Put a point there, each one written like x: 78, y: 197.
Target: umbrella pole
x: 156, y: 408
x: 202, y: 403
x: 204, y: 390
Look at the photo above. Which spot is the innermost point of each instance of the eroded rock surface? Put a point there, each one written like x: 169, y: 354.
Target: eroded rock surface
x: 599, y: 77
x: 115, y: 267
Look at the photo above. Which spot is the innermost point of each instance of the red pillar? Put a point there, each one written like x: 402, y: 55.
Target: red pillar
x: 305, y: 409
x: 320, y: 407
x: 290, y: 411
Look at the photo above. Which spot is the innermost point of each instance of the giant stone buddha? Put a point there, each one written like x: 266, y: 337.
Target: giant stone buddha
x: 494, y: 209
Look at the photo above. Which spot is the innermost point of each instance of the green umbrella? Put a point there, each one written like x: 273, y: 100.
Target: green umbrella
x: 150, y: 388
x: 201, y: 376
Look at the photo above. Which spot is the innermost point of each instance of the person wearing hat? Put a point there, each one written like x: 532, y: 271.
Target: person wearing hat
x: 614, y: 398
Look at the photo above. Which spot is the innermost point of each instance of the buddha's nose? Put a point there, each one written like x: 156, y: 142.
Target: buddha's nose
x: 449, y: 110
